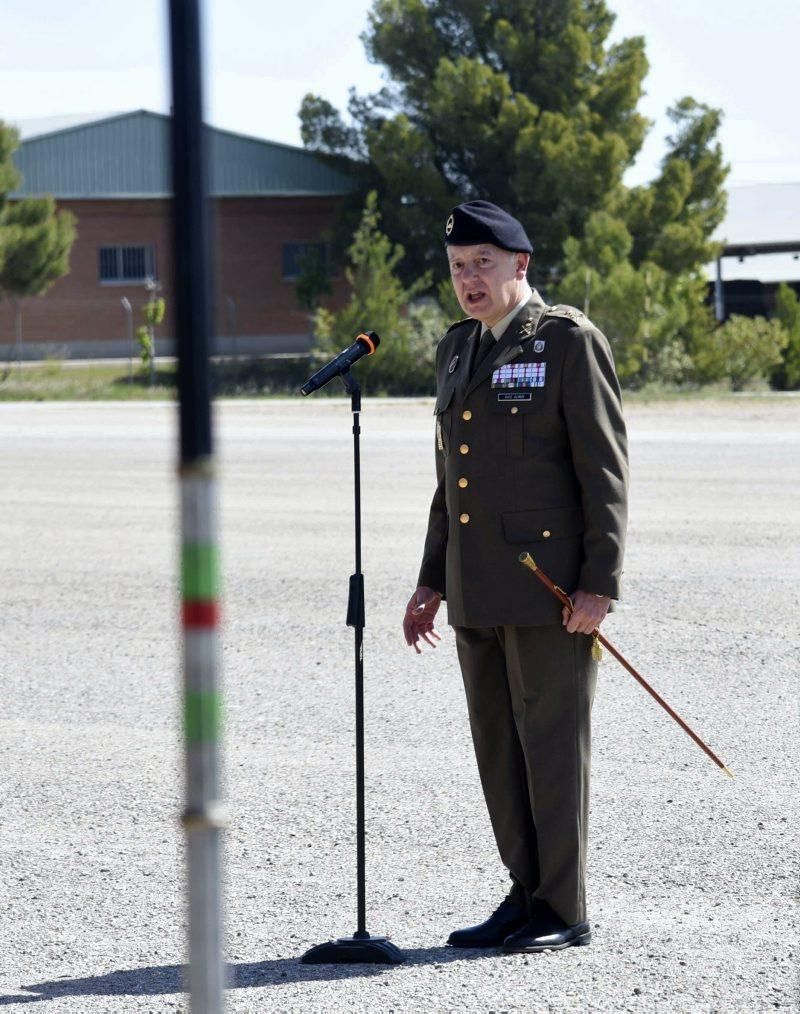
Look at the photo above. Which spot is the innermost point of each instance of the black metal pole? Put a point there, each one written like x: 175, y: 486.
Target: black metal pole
x: 190, y: 230
x: 361, y: 947
x: 203, y: 812
x: 359, y: 621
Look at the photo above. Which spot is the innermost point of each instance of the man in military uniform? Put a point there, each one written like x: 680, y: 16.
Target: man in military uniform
x: 530, y: 455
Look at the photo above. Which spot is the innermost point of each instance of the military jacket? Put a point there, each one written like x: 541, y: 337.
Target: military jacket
x: 531, y: 454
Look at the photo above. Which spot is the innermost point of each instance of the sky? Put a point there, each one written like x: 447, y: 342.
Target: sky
x: 262, y: 58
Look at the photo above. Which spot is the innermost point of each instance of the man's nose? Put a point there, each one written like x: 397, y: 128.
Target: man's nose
x: 470, y: 271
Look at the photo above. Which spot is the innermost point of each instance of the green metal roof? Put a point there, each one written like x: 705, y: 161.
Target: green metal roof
x: 127, y: 156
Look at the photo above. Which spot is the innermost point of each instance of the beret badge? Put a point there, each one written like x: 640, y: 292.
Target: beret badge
x: 449, y: 227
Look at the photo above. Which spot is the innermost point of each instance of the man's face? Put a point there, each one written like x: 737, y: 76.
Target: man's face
x: 488, y: 281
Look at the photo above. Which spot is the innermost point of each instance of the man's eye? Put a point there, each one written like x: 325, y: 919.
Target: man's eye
x: 455, y: 266
x: 483, y: 261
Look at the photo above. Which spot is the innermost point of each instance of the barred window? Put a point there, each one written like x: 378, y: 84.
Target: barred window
x: 127, y: 263
x: 296, y: 254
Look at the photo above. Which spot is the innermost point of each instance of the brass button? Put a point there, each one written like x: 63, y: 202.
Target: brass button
x: 546, y: 534
x: 466, y: 415
x: 464, y: 519
x: 463, y: 483
x: 514, y: 410
x: 464, y: 448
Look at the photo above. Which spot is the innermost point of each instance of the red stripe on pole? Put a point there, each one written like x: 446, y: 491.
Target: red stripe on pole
x: 200, y: 615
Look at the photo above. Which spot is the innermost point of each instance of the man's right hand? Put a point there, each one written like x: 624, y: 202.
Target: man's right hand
x: 420, y: 614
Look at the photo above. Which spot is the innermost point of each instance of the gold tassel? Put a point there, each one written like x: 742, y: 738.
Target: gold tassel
x: 597, y: 651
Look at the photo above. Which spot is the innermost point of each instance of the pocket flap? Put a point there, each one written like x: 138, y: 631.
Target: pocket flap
x: 542, y: 525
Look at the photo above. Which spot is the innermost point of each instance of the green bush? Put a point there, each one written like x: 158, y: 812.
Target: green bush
x: 646, y: 312
x: 787, y: 311
x: 742, y: 350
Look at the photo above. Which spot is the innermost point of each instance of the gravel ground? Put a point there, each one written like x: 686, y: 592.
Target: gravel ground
x: 692, y: 875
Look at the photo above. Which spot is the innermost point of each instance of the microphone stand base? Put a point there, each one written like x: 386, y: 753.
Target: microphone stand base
x: 354, y: 950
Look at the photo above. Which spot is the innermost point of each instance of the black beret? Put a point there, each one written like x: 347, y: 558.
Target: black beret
x: 483, y: 222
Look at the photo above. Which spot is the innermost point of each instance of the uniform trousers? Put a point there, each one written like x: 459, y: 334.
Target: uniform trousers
x: 529, y: 696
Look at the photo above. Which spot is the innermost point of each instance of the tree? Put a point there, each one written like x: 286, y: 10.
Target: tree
x: 527, y: 104
x: 787, y: 311
x: 672, y: 219
x: 35, y: 239
x: 381, y: 302
x: 635, y: 306
x: 153, y: 313
x: 742, y: 350
x: 522, y: 102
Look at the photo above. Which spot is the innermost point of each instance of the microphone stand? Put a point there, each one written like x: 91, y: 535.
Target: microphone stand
x: 361, y: 948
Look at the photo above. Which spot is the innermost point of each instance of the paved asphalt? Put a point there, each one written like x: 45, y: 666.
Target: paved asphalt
x: 692, y: 877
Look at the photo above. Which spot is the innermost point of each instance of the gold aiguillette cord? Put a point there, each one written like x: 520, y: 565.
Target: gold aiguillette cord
x: 527, y: 560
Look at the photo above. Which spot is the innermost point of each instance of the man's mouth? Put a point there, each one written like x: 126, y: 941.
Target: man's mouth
x: 474, y: 297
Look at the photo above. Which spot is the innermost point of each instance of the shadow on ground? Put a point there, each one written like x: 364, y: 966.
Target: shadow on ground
x: 158, y: 980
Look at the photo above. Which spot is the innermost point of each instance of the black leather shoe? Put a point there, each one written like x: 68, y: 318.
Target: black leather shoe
x: 546, y: 932
x: 506, y: 919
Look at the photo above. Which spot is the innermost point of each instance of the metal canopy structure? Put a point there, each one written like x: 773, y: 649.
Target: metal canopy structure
x: 762, y: 219
x: 751, y: 249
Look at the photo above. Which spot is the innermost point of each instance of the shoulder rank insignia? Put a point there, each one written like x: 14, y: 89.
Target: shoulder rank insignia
x: 568, y: 313
x: 538, y: 345
x: 453, y: 364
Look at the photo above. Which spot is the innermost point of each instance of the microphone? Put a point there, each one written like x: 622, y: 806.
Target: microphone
x: 364, y: 345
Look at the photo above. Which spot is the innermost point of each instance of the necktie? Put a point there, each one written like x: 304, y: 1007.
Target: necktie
x: 485, y: 346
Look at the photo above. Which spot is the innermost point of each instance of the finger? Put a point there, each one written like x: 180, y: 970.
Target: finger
x: 426, y: 638
x: 565, y: 614
x: 576, y: 621
x: 580, y: 622
x: 594, y: 620
x: 413, y: 636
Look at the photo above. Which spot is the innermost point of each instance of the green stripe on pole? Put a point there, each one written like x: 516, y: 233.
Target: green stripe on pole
x: 202, y: 716
x: 199, y: 571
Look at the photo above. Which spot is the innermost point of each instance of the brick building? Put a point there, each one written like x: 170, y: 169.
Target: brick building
x: 272, y: 204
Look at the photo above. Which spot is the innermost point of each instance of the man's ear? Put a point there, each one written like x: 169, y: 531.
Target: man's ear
x: 523, y: 260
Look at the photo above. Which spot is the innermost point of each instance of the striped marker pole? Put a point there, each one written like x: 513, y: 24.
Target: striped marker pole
x: 202, y: 816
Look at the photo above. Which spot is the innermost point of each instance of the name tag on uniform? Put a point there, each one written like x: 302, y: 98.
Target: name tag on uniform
x: 514, y: 396
x: 514, y: 375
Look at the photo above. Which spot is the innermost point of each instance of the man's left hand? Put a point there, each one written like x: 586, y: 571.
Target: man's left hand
x: 588, y: 613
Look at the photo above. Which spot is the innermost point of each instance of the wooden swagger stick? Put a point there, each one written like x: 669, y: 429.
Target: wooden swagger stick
x: 560, y: 594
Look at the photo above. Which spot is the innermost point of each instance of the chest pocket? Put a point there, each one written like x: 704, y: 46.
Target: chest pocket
x: 508, y: 412
x: 444, y: 415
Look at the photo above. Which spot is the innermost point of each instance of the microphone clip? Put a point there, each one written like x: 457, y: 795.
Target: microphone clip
x: 352, y: 387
